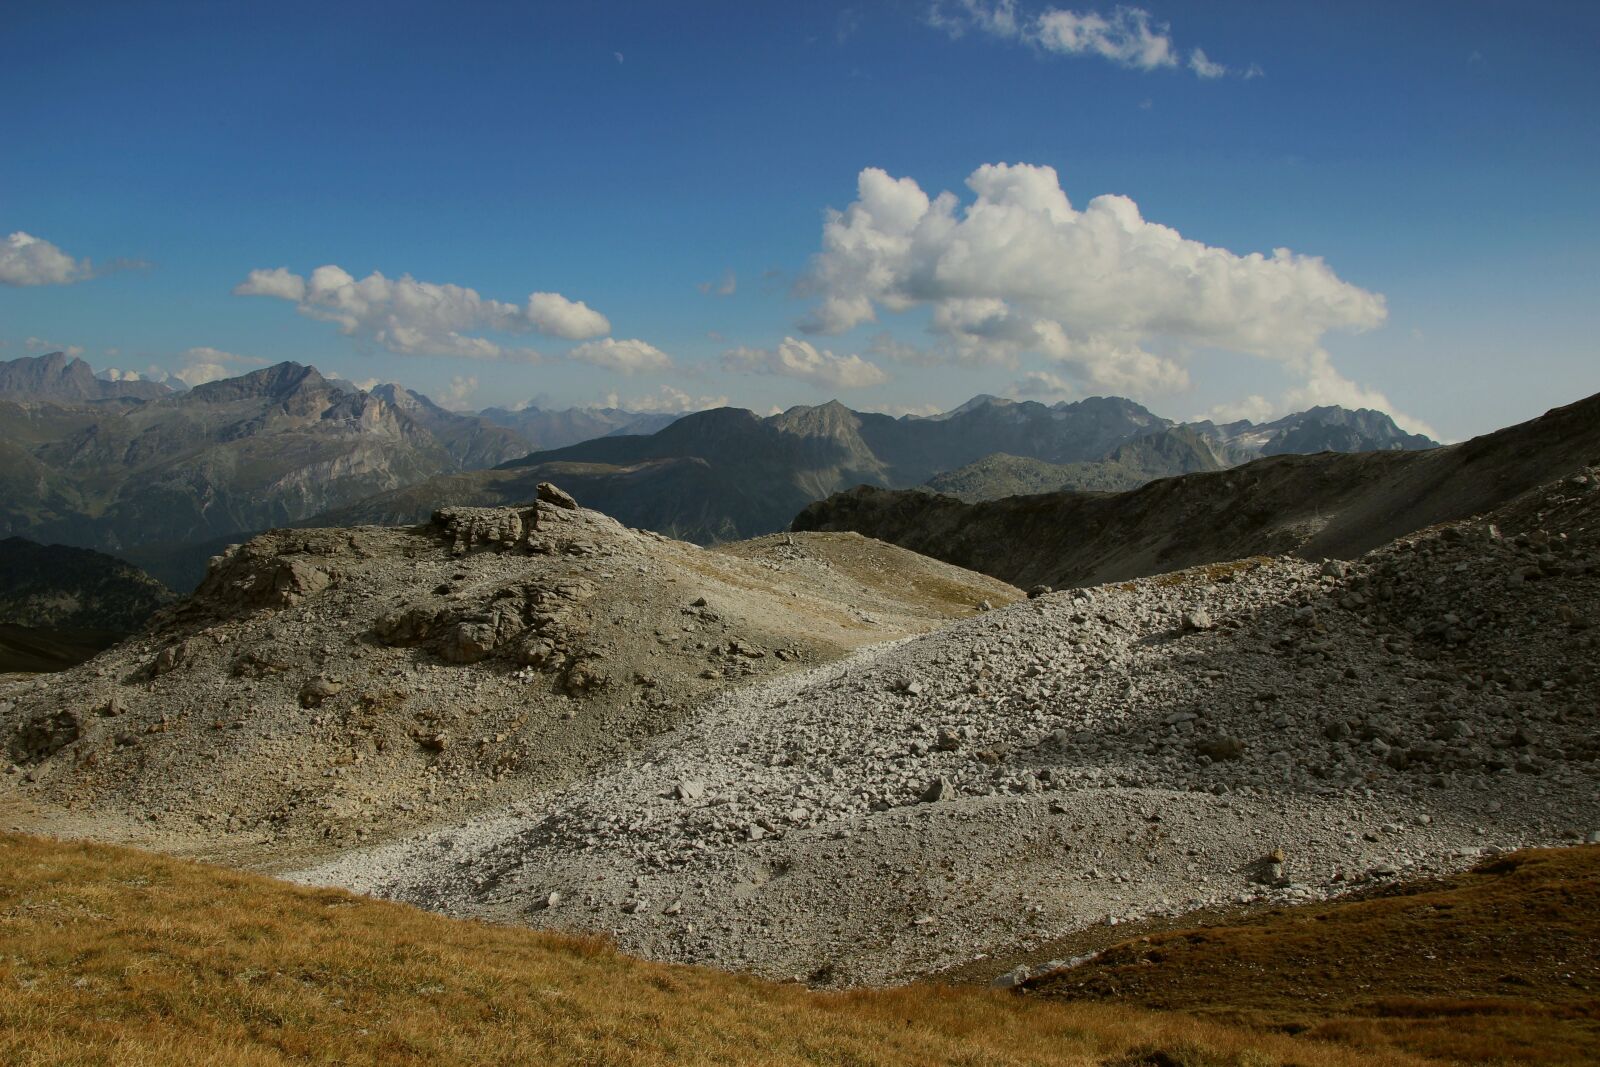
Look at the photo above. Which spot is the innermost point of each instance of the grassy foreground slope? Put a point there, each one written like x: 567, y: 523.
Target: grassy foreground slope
x: 1499, y: 964
x: 108, y: 955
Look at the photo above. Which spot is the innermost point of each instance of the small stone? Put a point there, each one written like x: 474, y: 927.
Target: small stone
x: 938, y: 789
x: 1197, y: 619
x: 690, y: 789
x: 318, y: 689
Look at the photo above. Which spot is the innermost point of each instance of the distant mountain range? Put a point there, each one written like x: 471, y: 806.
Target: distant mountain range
x: 728, y: 473
x: 1182, y: 448
x: 164, y: 478
x: 1324, y: 505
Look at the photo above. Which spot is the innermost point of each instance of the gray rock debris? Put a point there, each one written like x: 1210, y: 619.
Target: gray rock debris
x: 1091, y: 770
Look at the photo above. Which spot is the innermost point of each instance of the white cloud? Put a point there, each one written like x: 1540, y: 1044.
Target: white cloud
x: 1127, y: 36
x: 1325, y: 385
x: 803, y: 361
x: 29, y: 260
x: 1253, y: 408
x: 897, y: 410
x: 206, y: 364
x: 997, y: 18
x: 457, y: 397
x: 625, y: 357
x: 571, y: 320
x: 666, y: 400
x: 415, y: 318
x: 39, y: 344
x: 1109, y: 298
x: 727, y: 285
x: 1203, y: 66
x: 112, y: 374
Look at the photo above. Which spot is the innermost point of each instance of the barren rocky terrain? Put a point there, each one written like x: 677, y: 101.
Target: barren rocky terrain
x: 324, y: 687
x: 1265, y: 730
x: 818, y: 756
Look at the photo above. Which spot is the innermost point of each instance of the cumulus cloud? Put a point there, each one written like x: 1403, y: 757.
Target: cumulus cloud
x: 1325, y: 385
x: 207, y: 364
x: 413, y: 318
x: 625, y: 357
x: 29, y: 260
x: 1128, y: 36
x: 1253, y: 408
x: 571, y: 320
x: 1109, y: 298
x: 805, y: 362
x: 1204, y: 67
x: 457, y: 397
x: 665, y: 400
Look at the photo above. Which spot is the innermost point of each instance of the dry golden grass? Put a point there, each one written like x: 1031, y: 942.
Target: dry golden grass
x: 112, y: 956
x: 1497, y: 965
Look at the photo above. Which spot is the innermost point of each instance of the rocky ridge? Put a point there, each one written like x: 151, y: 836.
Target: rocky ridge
x: 326, y: 686
x: 1266, y: 730
x: 1330, y: 504
x: 724, y: 474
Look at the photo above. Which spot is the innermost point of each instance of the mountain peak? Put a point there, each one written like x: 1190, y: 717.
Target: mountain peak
x: 279, y: 381
x: 60, y: 377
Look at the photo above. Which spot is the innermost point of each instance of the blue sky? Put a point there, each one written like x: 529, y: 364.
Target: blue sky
x: 1431, y: 167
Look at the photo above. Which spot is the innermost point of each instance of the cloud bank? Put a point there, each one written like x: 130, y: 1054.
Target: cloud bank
x: 803, y: 361
x: 29, y: 260
x: 624, y: 357
x: 414, y: 318
x: 1110, y: 299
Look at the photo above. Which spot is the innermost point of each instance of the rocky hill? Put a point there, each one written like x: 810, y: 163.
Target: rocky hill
x: 1260, y: 732
x: 725, y: 474
x: 325, y: 686
x: 1329, y: 504
x: 537, y: 716
x: 54, y: 587
x: 60, y: 606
